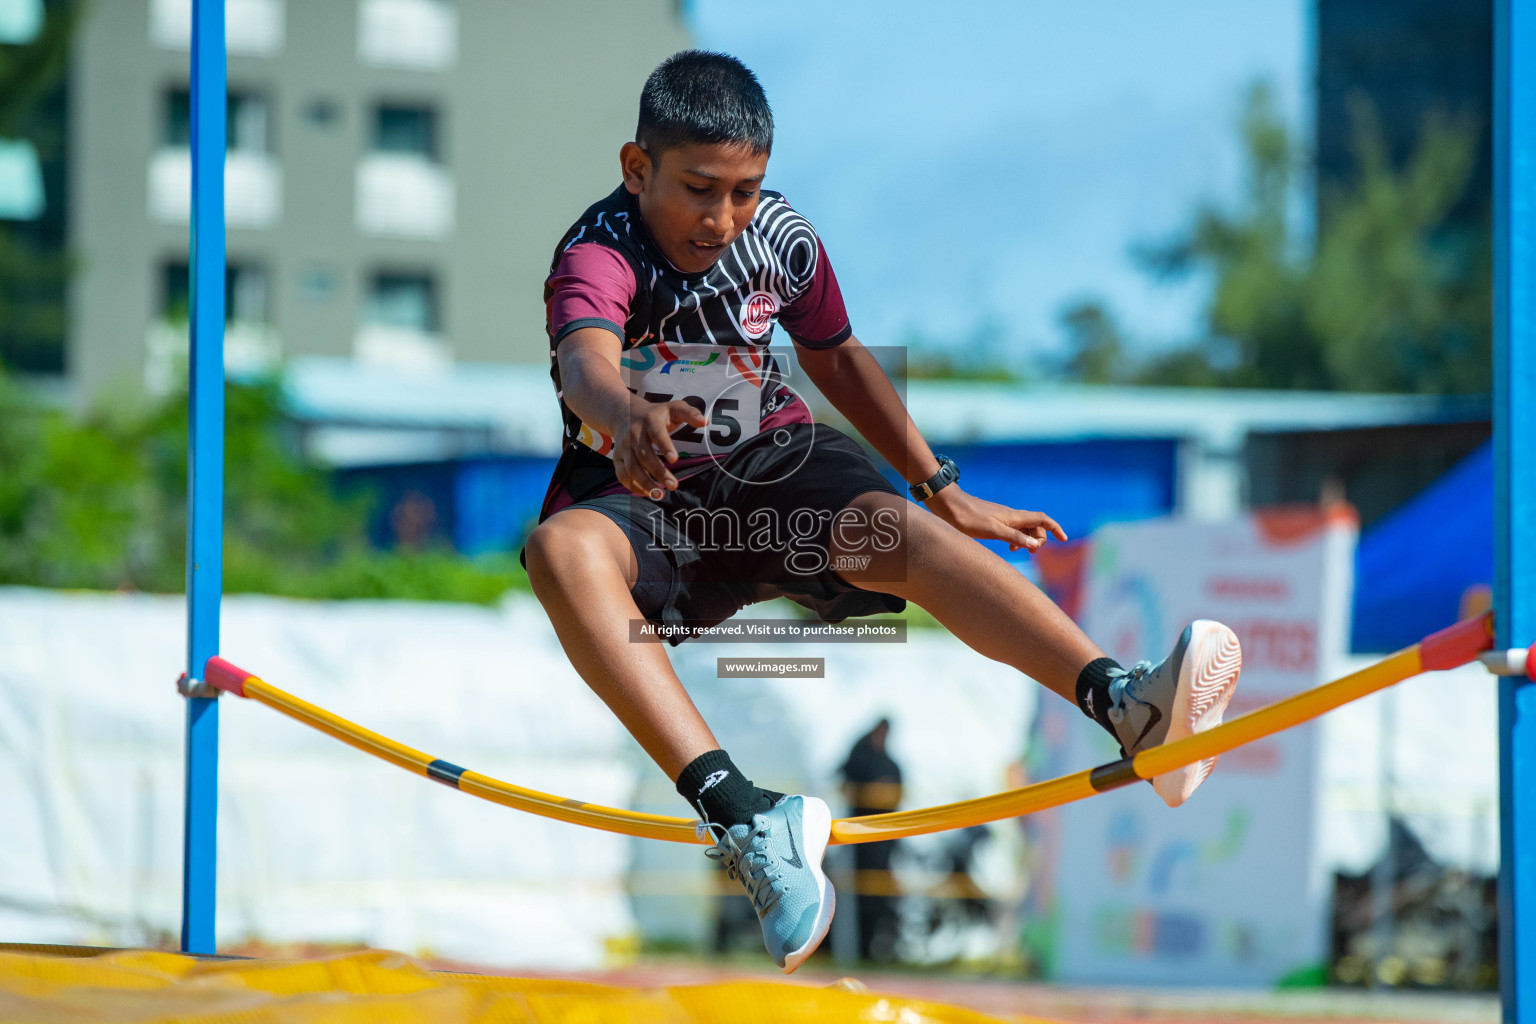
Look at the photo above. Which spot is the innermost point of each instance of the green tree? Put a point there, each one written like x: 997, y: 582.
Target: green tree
x: 1096, y: 348
x: 1400, y: 297
x: 1390, y: 295
x: 101, y: 504
x: 979, y: 354
x: 72, y: 497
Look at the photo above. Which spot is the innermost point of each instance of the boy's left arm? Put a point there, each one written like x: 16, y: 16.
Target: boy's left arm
x: 855, y: 383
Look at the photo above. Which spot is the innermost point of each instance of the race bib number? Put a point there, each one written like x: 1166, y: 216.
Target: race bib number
x: 724, y: 382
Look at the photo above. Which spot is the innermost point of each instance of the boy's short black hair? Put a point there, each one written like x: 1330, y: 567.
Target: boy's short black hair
x: 697, y: 96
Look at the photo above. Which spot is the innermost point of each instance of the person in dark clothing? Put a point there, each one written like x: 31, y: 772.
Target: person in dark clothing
x: 872, y: 785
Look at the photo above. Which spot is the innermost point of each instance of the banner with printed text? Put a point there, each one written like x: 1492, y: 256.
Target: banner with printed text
x: 1225, y: 890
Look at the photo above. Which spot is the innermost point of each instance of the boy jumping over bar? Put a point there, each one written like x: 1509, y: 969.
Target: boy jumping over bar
x: 693, y: 482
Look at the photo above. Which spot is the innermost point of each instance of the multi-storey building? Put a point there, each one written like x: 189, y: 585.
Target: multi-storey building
x: 398, y: 172
x: 1404, y: 60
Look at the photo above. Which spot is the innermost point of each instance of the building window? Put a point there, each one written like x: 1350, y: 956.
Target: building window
x: 20, y: 21
x: 402, y: 322
x: 406, y: 131
x: 21, y: 181
x: 253, y: 179
x: 405, y: 302
x: 251, y: 346
x: 418, y: 35
x: 245, y: 293
x: 252, y: 28
x: 248, y: 121
x: 403, y: 189
x: 176, y: 124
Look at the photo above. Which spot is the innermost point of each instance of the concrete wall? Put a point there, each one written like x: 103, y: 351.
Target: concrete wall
x: 532, y: 113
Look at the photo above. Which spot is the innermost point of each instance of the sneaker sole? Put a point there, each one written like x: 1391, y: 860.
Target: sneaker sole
x: 1207, y: 678
x: 816, y: 827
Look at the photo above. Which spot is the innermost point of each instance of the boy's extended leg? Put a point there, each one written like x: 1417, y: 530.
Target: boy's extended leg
x: 989, y: 605
x: 977, y: 596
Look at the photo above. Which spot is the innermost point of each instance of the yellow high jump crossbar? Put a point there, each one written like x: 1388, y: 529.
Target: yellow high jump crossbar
x: 1451, y: 647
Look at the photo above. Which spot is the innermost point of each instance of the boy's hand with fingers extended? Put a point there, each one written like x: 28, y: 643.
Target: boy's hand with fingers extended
x: 988, y: 520
x: 644, y: 447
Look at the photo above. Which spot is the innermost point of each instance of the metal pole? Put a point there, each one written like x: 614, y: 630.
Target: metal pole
x: 205, y: 474
x: 1514, y: 395
x: 1384, y: 875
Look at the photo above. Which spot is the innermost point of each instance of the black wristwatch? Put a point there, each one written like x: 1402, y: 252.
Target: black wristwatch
x: 948, y: 473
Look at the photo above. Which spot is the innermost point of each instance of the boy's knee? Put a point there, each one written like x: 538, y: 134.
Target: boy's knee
x: 908, y: 532
x: 552, y: 544
x: 565, y: 545
x: 875, y: 521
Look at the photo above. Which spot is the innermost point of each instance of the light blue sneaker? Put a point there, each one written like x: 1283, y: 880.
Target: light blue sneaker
x: 778, y: 859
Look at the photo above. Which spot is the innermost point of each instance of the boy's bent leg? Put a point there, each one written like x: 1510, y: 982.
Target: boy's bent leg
x: 582, y: 567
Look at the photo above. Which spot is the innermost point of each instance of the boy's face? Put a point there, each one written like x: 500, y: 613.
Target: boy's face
x: 696, y: 199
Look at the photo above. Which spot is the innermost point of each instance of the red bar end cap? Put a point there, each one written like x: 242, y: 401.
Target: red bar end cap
x: 1456, y: 645
x: 225, y: 676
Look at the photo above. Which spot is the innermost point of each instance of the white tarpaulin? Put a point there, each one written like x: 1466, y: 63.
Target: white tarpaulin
x: 1439, y: 774
x: 321, y: 843
x: 317, y: 842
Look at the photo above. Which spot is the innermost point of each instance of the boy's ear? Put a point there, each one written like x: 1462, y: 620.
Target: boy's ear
x: 635, y: 163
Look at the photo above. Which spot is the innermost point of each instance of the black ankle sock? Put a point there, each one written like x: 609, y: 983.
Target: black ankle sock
x: 1093, y: 691
x: 720, y: 793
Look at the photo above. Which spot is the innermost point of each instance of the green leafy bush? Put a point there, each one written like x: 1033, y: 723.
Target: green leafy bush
x: 100, y: 503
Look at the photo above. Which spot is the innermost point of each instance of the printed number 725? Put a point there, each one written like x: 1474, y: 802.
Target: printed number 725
x: 724, y: 429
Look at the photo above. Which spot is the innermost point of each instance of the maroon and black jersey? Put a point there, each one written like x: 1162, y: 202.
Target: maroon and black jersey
x: 699, y: 337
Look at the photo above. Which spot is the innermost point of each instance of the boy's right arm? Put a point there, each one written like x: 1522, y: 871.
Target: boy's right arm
x: 593, y: 388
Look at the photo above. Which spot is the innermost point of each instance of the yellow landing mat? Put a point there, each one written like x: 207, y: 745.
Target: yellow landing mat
x: 378, y: 987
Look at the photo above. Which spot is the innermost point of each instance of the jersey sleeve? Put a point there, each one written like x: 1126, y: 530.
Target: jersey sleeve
x: 592, y: 286
x: 816, y: 318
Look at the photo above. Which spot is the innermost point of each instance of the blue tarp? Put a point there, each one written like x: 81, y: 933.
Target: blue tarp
x: 498, y: 501
x: 474, y: 506
x: 1414, y: 568
x: 487, y: 504
x: 1080, y: 484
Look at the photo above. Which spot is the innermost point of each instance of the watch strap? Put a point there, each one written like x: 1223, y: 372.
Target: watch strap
x: 948, y: 473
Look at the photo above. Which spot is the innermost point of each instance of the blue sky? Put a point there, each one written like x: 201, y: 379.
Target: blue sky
x: 996, y: 160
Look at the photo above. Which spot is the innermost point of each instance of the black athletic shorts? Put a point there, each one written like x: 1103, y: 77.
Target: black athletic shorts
x: 754, y: 526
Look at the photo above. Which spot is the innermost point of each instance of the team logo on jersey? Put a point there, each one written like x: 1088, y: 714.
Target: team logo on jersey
x: 688, y: 365
x: 757, y: 313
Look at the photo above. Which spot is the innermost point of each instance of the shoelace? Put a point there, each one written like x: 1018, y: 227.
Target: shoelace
x: 750, y: 864
x: 1133, y: 682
